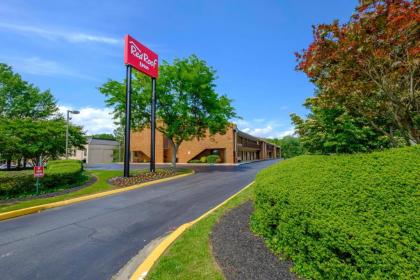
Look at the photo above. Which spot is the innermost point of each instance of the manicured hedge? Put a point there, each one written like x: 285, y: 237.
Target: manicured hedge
x: 58, y: 173
x: 213, y: 159
x: 344, y: 217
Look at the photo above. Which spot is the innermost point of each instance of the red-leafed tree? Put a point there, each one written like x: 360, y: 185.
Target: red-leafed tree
x: 370, y: 67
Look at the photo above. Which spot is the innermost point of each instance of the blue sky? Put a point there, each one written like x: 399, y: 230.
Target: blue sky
x: 72, y: 47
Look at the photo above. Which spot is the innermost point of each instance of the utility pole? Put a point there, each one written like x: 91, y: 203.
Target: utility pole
x: 67, y: 130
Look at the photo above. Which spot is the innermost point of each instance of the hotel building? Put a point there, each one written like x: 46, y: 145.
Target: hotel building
x: 233, y: 147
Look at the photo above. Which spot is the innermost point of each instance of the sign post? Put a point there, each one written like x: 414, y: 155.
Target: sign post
x: 153, y: 127
x: 38, y: 173
x: 127, y: 122
x: 146, y: 61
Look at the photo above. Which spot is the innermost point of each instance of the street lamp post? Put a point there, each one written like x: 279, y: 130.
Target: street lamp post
x: 67, y: 130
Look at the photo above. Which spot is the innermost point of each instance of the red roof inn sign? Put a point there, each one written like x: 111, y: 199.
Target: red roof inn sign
x: 146, y: 61
x: 140, y: 57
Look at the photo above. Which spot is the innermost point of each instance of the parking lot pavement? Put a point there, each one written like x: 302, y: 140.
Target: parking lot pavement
x: 94, y: 239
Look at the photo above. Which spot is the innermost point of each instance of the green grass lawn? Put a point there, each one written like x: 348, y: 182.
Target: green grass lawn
x: 190, y: 256
x: 99, y: 186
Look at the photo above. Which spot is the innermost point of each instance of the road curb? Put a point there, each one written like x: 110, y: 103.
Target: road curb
x: 146, y: 265
x: 39, y: 208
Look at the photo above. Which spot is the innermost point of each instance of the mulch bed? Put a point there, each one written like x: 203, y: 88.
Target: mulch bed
x: 142, y: 177
x: 90, y: 182
x: 240, y: 254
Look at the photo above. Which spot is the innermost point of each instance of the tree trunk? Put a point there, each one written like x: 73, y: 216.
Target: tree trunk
x: 174, y: 152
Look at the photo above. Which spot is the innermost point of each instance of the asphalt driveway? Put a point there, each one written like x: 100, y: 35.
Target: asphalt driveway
x: 94, y: 239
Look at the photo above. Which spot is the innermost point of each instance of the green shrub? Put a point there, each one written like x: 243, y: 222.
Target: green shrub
x: 195, y: 161
x: 203, y: 159
x: 58, y: 174
x: 343, y: 217
x: 213, y: 159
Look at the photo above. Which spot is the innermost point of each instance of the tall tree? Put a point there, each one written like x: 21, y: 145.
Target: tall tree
x: 30, y: 139
x: 333, y: 130
x: 290, y: 146
x: 29, y: 124
x: 188, y: 105
x: 20, y: 99
x: 369, y: 67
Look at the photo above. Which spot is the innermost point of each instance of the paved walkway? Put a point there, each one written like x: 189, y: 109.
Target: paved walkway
x: 94, y: 239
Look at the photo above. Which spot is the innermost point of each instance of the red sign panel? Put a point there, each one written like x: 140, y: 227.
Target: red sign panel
x: 140, y: 57
x: 38, y: 171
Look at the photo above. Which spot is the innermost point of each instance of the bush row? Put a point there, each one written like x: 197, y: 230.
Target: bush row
x: 207, y: 159
x: 58, y: 173
x: 343, y: 217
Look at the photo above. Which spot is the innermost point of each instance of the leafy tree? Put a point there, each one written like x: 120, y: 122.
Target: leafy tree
x: 30, y: 139
x: 19, y: 99
x: 290, y: 146
x: 9, y: 142
x: 140, y: 99
x: 187, y: 104
x: 368, y: 68
x: 333, y: 130
x: 29, y: 124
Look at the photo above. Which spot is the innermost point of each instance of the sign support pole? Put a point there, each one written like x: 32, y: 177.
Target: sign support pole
x: 127, y: 122
x: 146, y: 61
x: 153, y: 127
x: 37, y: 183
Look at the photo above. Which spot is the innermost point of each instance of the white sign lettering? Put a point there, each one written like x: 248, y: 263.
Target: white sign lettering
x: 135, y: 50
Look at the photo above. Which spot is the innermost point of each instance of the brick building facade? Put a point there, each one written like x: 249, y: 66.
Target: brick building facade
x: 234, y: 146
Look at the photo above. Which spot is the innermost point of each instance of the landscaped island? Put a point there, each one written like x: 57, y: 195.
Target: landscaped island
x: 59, y: 175
x: 66, y: 179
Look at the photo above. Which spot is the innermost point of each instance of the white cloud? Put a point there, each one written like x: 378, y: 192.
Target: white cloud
x: 50, y: 34
x: 93, y: 120
x: 259, y: 131
x: 265, y: 129
x: 287, y: 132
x: 82, y: 37
x: 43, y: 67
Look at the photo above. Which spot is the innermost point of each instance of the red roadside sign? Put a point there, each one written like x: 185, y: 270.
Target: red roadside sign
x: 38, y: 171
x: 140, y: 57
